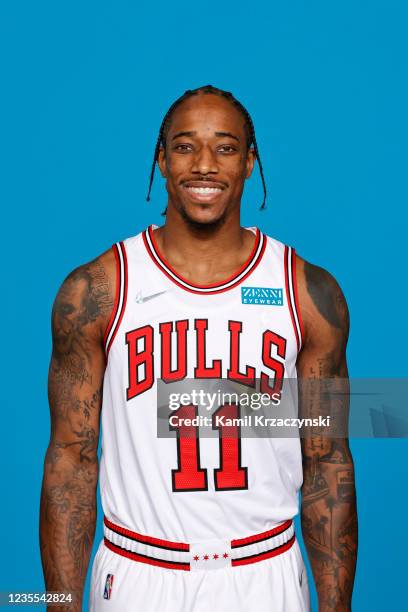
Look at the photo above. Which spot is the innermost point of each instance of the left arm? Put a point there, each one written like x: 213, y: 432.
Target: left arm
x: 329, y: 514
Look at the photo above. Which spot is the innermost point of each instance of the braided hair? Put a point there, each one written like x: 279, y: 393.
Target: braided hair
x: 207, y: 89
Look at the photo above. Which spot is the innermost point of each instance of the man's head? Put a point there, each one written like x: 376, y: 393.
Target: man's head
x: 206, y: 149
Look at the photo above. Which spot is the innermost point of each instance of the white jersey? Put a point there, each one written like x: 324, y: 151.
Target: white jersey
x: 165, y: 327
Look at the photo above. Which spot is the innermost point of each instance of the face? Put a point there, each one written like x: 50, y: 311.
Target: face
x: 206, y: 160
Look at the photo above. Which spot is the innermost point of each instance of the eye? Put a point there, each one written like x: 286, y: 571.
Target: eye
x: 227, y: 149
x: 182, y: 148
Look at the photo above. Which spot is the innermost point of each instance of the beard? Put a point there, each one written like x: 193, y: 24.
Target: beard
x: 204, y: 227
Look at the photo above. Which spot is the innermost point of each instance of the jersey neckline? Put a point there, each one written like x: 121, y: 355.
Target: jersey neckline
x: 235, y: 279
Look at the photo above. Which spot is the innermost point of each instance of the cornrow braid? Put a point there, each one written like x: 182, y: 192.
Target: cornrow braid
x: 207, y: 89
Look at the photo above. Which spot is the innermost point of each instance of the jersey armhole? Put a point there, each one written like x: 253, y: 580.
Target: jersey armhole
x: 120, y: 295
x: 292, y: 294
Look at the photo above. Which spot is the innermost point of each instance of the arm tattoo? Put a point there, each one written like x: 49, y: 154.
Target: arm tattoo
x: 329, y: 515
x: 68, y: 499
x: 326, y: 295
x: 329, y: 524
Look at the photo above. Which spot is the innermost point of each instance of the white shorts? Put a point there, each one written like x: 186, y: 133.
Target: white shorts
x: 124, y: 584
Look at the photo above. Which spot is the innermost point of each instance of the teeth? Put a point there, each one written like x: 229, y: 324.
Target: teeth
x: 204, y: 190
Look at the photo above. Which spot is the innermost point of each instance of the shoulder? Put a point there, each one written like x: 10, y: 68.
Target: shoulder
x: 86, y: 296
x: 322, y: 302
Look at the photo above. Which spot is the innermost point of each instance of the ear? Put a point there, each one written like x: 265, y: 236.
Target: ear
x: 250, y: 162
x: 161, y: 162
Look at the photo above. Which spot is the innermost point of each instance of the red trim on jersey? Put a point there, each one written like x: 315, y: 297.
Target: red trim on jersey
x: 292, y: 316
x: 261, y: 536
x: 212, y: 285
x: 274, y: 552
x: 133, y: 535
x: 219, y: 287
x: 295, y: 293
x: 125, y: 289
x: 145, y: 558
x: 116, y: 302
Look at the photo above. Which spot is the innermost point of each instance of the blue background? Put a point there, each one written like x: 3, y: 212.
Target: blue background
x: 85, y: 85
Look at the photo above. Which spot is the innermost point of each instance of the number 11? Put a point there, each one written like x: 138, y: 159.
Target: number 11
x: 190, y: 476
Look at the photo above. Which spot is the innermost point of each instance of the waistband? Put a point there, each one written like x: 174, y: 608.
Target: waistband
x: 205, y: 555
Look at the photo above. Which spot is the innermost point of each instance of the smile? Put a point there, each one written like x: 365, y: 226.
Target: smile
x: 204, y: 190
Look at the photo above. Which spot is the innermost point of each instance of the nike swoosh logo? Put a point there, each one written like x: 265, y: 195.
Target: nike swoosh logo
x: 140, y: 299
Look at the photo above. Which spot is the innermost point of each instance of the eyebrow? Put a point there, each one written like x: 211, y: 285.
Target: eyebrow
x: 219, y: 134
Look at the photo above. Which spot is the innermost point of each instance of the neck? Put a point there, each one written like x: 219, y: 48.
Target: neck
x: 181, y: 239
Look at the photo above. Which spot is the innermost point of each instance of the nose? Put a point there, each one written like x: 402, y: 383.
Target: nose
x: 205, y: 161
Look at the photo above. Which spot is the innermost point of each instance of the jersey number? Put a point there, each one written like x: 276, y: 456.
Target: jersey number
x: 190, y: 476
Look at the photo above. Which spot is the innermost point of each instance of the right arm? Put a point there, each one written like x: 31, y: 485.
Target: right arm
x: 80, y: 316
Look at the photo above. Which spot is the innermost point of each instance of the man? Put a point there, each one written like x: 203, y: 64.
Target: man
x: 195, y: 523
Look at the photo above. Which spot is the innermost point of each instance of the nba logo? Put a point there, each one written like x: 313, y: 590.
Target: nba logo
x: 108, y: 586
